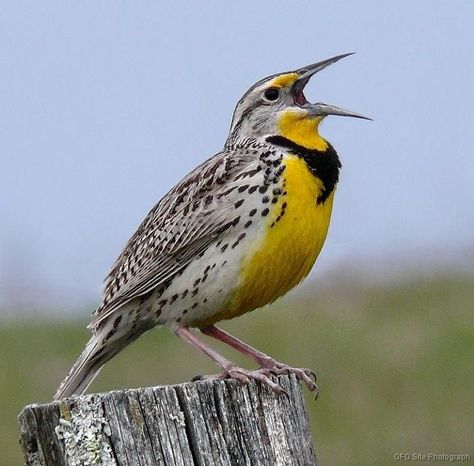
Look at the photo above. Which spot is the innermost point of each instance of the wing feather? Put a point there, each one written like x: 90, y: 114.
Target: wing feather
x: 181, y: 226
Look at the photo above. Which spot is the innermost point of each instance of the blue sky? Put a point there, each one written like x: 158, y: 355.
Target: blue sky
x: 105, y: 105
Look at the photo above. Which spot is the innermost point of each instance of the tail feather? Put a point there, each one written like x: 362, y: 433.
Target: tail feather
x: 102, y: 347
x: 84, y: 370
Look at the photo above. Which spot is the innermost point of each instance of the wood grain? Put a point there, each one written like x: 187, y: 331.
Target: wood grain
x: 211, y: 422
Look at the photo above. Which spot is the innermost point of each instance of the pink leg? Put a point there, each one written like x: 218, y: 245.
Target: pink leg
x: 229, y: 370
x: 265, y: 361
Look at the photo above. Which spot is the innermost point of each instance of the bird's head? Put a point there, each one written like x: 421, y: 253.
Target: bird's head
x: 276, y: 105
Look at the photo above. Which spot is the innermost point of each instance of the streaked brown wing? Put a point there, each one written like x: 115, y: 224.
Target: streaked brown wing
x: 180, y: 226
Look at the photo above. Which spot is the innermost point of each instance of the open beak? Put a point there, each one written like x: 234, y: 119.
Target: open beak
x: 319, y: 109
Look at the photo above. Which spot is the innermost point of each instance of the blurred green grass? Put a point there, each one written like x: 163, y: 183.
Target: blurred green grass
x: 395, y: 365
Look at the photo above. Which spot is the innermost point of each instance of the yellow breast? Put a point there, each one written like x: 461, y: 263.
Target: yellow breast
x: 296, y: 229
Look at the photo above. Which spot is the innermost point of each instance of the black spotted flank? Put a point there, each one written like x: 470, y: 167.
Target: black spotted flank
x: 162, y: 303
x: 252, y: 212
x: 265, y: 212
x: 240, y: 238
x: 323, y: 164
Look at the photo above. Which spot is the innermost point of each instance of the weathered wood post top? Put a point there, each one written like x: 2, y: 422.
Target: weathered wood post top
x: 212, y: 422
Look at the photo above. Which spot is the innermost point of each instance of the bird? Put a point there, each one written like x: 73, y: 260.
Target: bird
x: 235, y: 234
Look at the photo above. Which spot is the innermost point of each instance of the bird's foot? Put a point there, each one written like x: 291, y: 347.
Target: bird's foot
x: 305, y: 375
x: 244, y: 376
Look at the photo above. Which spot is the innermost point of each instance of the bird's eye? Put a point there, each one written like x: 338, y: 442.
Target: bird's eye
x: 272, y: 94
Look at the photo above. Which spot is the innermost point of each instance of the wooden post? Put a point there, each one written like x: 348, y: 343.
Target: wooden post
x: 211, y: 422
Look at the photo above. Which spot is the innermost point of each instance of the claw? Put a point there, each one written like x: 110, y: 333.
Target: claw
x: 305, y: 375
x: 244, y: 376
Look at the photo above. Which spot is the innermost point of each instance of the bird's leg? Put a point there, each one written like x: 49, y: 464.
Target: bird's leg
x: 229, y: 370
x: 265, y: 361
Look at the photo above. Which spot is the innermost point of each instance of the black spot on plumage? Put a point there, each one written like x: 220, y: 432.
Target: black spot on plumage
x: 274, y: 200
x: 323, y: 164
x: 225, y: 193
x: 262, y: 189
x: 235, y: 221
x: 279, y: 172
x: 253, y: 189
x: 184, y: 293
x: 239, y: 203
x: 195, y: 292
x: 265, y: 212
x: 223, y: 248
x: 185, y: 311
x: 243, y: 188
x: 252, y: 212
x: 240, y: 238
x: 196, y: 282
x: 117, y: 321
x: 173, y: 298
x: 265, y: 199
x: 195, y: 305
x: 248, y: 224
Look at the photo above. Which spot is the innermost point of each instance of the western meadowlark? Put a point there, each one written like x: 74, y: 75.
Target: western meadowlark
x: 235, y: 234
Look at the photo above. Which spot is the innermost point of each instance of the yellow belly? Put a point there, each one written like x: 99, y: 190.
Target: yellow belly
x: 288, y: 250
